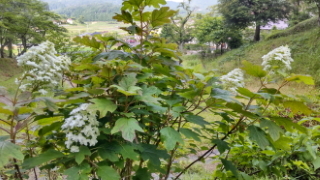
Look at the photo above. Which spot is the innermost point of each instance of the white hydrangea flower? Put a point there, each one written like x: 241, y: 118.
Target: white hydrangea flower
x: 278, y: 59
x: 43, y: 69
x: 74, y: 149
x: 233, y: 80
x: 81, y: 128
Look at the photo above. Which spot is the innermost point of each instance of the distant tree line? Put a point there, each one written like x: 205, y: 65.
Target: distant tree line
x: 90, y: 12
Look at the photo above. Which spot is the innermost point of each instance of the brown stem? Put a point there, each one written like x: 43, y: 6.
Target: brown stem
x: 18, y: 173
x: 173, y: 152
x: 31, y: 154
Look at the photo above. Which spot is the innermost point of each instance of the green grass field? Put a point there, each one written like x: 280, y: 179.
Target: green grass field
x: 99, y: 26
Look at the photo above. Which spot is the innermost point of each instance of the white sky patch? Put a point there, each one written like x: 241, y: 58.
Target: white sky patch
x: 175, y: 0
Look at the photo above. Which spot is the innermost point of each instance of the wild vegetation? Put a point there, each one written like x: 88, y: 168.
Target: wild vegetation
x: 107, y: 109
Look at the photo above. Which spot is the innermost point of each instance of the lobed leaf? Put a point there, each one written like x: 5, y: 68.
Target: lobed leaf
x: 170, y: 138
x: 161, y: 16
x: 103, y: 106
x: 127, y: 126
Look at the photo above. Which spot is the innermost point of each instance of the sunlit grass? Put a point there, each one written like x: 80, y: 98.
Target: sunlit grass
x: 98, y: 26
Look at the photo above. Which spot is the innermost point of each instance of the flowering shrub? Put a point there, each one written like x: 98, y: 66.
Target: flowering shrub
x: 233, y: 80
x: 43, y: 69
x: 278, y: 60
x: 136, y: 109
x: 81, y: 128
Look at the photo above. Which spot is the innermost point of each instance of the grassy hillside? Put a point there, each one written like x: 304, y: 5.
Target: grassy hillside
x: 8, y: 73
x: 303, y: 39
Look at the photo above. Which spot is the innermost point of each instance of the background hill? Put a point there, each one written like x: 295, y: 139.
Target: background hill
x: 303, y: 39
x: 103, y: 10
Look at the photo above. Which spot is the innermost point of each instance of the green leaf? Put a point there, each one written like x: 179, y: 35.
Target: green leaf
x: 197, y: 120
x: 5, y: 111
x: 222, y: 145
x: 103, y: 106
x: 273, y: 129
x: 230, y: 167
x: 8, y: 150
x: 155, y: 3
x: 113, y: 54
x: 245, y: 92
x: 124, y: 17
x: 72, y: 173
x: 132, y: 4
x: 297, y: 107
x: 83, y: 151
x: 283, y: 143
x: 110, y: 151
x: 301, y: 78
x: 258, y: 135
x: 289, y: 125
x: 143, y: 174
x: 127, y: 85
x: 50, y: 104
x: 253, y: 70
x: 245, y: 176
x: 50, y: 120
x: 149, y: 95
x: 128, y: 151
x: 49, y: 155
x: 85, y: 40
x: 170, y: 137
x: 161, y: 16
x: 127, y: 126
x: 316, y: 163
x: 190, y: 134
x: 222, y: 94
x: 151, y: 153
x: 107, y: 173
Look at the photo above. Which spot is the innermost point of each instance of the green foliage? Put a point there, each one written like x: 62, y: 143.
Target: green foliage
x: 8, y: 150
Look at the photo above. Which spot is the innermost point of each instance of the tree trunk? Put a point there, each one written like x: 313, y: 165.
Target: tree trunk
x: 3, y: 46
x: 181, y: 46
x: 10, y: 48
x: 318, y: 5
x: 2, y: 51
x: 257, y: 33
x: 24, y: 44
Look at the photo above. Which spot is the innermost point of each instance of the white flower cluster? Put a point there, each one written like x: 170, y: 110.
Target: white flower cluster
x: 81, y: 128
x: 278, y: 59
x: 43, y: 68
x: 233, y: 80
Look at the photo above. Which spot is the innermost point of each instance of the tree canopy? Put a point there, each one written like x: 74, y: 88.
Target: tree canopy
x: 25, y: 22
x: 243, y: 13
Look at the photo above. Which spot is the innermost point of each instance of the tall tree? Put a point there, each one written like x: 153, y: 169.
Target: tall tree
x: 25, y: 21
x: 179, y: 31
x: 243, y: 13
x: 210, y: 29
x: 317, y: 4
